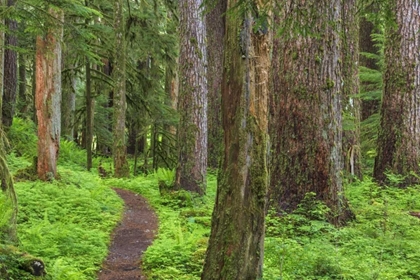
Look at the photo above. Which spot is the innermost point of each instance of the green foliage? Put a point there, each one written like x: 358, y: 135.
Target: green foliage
x: 178, y: 251
x: 67, y: 223
x: 164, y: 175
x: 22, y: 137
x: 70, y: 153
x: 380, y: 244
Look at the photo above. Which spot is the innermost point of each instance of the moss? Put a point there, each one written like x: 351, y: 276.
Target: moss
x: 329, y: 84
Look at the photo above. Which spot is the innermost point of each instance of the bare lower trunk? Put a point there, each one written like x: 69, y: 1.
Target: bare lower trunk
x: 351, y: 101
x: 10, y: 71
x: 307, y: 138
x: 235, y: 248
x: 399, y: 134
x: 215, y: 35
x: 48, y: 98
x: 119, y: 100
x: 191, y: 172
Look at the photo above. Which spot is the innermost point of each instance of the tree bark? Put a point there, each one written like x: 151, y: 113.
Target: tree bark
x: 351, y: 101
x: 235, y: 248
x: 307, y: 84
x: 215, y: 35
x: 48, y: 97
x: 8, y: 232
x: 121, y: 168
x: 2, y: 3
x: 68, y: 106
x: 191, y: 172
x: 399, y: 134
x: 24, y: 103
x: 90, y: 110
x: 10, y: 71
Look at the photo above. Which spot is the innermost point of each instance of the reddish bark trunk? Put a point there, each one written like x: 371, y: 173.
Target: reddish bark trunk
x: 48, y: 98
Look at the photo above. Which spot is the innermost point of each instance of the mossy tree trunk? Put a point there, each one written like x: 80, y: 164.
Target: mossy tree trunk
x: 307, y: 84
x: 215, y: 35
x: 235, y: 249
x: 351, y: 100
x: 10, y: 71
x: 191, y: 171
x: 2, y: 3
x: 8, y: 232
x: 48, y: 95
x: 121, y: 168
x: 399, y: 135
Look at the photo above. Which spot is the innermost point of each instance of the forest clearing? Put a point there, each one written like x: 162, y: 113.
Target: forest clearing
x: 209, y: 139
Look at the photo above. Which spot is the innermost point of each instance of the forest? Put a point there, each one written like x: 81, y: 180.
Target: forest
x: 264, y: 139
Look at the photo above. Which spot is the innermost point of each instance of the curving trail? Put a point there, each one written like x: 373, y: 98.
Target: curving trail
x: 130, y: 239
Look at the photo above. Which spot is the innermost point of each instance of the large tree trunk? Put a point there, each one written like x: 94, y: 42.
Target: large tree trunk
x: 215, y: 34
x: 8, y: 230
x: 121, y: 168
x: 236, y: 242
x: 307, y: 84
x: 399, y: 135
x: 191, y: 172
x: 10, y: 71
x: 2, y: 3
x: 48, y: 97
x: 351, y: 101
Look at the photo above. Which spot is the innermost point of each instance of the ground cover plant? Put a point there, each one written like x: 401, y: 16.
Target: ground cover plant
x: 65, y: 222
x: 380, y: 244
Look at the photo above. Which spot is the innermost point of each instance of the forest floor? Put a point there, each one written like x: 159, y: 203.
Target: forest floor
x: 130, y: 239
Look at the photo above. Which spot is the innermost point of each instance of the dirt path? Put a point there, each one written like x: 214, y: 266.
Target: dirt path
x: 130, y: 239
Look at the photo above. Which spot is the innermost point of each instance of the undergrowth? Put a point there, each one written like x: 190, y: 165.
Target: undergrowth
x: 67, y: 222
x: 184, y: 227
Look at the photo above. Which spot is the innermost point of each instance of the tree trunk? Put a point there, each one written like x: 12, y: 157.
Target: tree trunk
x: 48, y: 97
x: 103, y: 143
x: 68, y: 106
x: 90, y: 110
x: 121, y: 168
x: 351, y: 101
x: 191, y: 172
x: 10, y: 71
x: 237, y: 235
x: 307, y: 84
x: 2, y: 3
x: 8, y: 233
x: 215, y: 34
x: 399, y: 135
x: 24, y: 103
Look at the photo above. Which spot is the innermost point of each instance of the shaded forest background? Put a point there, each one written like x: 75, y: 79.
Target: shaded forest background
x: 306, y: 113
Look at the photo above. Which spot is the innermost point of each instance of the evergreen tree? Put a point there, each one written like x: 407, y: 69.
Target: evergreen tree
x: 191, y: 172
x: 307, y: 83
x: 235, y: 249
x: 399, y: 136
x: 215, y: 34
x: 48, y: 95
x: 119, y: 99
x: 10, y: 78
